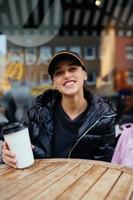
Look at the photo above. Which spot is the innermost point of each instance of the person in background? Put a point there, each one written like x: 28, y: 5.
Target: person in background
x: 10, y: 106
x: 127, y: 113
x: 69, y: 121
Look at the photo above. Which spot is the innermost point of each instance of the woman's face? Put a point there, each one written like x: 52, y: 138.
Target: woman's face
x: 69, y: 78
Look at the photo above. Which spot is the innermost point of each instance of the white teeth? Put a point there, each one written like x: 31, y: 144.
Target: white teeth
x: 69, y: 83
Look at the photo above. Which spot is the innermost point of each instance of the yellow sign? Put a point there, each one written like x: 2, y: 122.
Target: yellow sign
x: 5, y: 85
x: 14, y: 71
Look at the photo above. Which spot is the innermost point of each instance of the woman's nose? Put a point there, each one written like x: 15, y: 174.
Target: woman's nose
x: 67, y: 74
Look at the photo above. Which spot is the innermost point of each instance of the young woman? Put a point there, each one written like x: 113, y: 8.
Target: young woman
x: 69, y: 122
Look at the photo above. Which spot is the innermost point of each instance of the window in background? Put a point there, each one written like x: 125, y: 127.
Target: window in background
x: 75, y: 49
x: 129, y: 52
x: 3, y: 45
x: 30, y: 55
x: 90, y: 53
x: 15, y: 54
x: 130, y: 77
x: 91, y: 78
x: 45, y: 54
x: 59, y: 48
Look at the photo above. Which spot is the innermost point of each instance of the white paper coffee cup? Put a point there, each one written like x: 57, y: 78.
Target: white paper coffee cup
x: 17, y: 137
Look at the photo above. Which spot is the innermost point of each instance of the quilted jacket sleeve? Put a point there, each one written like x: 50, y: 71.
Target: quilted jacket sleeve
x: 30, y: 121
x: 105, y: 150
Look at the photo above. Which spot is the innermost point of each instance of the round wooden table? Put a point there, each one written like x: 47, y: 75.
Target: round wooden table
x: 65, y: 179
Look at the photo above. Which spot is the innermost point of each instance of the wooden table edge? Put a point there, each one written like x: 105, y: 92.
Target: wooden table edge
x: 91, y: 162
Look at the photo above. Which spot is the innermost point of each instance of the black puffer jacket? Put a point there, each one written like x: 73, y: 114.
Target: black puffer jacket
x: 95, y: 137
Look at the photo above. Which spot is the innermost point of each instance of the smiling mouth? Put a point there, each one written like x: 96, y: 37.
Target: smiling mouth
x: 67, y: 83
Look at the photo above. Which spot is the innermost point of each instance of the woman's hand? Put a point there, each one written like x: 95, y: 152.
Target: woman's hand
x: 8, y: 157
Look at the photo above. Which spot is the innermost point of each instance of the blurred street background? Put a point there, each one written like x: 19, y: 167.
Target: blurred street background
x: 31, y: 31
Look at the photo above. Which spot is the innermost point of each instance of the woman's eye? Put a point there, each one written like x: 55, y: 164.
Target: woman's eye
x: 73, y: 69
x: 58, y: 73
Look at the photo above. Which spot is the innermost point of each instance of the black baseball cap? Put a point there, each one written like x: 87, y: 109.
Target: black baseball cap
x: 63, y: 56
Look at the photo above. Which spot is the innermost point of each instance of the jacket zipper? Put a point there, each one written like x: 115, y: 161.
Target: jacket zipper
x: 87, y: 131
x: 38, y: 113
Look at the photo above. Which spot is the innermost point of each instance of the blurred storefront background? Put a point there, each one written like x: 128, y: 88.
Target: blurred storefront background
x: 32, y: 31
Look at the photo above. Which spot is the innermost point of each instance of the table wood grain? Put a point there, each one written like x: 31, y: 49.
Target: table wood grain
x: 65, y: 179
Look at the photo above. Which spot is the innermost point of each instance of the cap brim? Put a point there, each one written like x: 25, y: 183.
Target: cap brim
x: 63, y: 56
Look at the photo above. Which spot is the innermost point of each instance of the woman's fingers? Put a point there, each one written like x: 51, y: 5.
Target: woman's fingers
x: 10, y: 161
x: 5, y: 145
x: 8, y: 157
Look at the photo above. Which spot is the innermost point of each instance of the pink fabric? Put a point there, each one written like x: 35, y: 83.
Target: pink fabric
x: 123, y: 153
